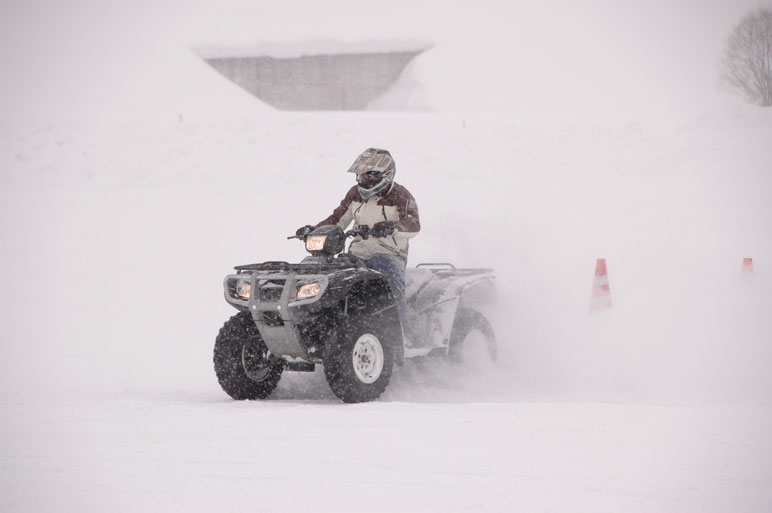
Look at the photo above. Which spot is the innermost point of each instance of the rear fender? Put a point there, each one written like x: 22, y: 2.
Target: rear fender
x: 479, y: 293
x: 437, y: 300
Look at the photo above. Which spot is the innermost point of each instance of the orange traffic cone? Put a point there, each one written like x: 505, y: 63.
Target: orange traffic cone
x: 601, y: 293
x: 747, y: 266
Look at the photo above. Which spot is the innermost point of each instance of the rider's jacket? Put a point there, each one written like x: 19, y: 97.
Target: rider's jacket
x: 397, y: 205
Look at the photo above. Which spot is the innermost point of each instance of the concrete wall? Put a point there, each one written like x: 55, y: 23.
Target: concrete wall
x: 316, y: 82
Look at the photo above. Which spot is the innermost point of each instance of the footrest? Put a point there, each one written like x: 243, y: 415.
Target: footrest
x: 301, y: 366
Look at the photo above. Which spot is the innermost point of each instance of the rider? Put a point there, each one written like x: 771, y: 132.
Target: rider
x: 390, y: 212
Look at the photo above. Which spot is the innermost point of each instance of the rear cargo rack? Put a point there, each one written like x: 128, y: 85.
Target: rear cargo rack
x: 448, y: 268
x: 436, y: 264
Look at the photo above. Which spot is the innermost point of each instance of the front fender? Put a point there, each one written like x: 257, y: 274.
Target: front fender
x: 374, y: 298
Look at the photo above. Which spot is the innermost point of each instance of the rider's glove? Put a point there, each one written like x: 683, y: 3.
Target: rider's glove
x: 382, y: 229
x: 303, y: 231
x: 364, y: 231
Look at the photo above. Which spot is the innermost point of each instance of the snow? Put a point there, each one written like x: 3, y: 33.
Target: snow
x: 193, y: 453
x: 312, y: 47
x: 121, y: 213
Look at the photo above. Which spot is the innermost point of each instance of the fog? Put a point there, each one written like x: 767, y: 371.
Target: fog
x: 176, y: 206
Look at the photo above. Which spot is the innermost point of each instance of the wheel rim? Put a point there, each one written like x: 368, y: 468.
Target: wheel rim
x: 368, y: 358
x: 255, y: 362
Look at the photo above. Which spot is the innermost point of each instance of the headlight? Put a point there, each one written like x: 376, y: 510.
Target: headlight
x: 243, y: 289
x: 308, y: 290
x: 315, y: 242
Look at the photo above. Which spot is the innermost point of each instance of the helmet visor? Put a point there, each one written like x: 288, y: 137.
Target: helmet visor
x: 369, y: 179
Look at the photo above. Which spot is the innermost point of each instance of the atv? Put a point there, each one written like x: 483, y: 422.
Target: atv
x: 332, y: 310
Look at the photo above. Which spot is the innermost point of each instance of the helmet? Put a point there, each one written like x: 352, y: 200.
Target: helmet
x: 375, y: 172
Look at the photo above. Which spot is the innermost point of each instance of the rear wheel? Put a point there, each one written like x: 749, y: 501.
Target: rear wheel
x: 242, y: 362
x: 359, y: 362
x: 472, y: 340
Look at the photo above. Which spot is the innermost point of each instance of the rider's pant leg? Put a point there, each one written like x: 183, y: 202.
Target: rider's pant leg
x: 393, y: 268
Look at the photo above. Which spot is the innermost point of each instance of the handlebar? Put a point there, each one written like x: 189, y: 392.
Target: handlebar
x: 362, y: 230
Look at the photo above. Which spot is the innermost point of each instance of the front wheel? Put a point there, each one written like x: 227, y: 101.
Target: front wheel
x: 359, y: 362
x: 244, y: 367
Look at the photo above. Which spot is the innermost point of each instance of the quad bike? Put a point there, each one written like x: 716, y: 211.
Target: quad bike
x: 332, y: 310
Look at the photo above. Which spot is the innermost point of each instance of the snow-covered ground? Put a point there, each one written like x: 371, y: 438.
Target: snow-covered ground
x: 115, y: 241
x: 116, y: 231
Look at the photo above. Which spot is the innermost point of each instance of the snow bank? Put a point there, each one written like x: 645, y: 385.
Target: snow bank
x: 311, y: 47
